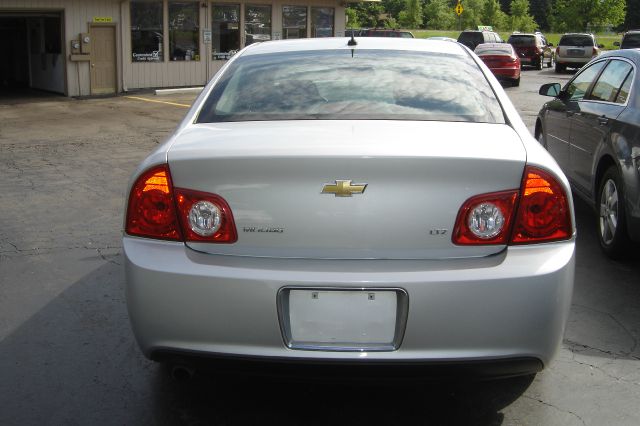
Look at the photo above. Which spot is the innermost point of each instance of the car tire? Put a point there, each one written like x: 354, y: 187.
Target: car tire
x: 560, y: 68
x: 552, y: 62
x: 541, y: 139
x: 515, y: 82
x: 540, y: 63
x: 610, y: 205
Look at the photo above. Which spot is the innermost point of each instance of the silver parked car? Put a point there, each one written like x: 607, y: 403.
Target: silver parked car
x: 575, y: 50
x: 368, y: 202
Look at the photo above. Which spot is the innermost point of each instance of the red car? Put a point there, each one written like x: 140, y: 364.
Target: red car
x: 501, y: 60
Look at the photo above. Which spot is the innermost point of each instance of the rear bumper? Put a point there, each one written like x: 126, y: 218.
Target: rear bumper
x: 506, y: 73
x: 510, y: 306
x: 327, y: 370
x: 578, y: 62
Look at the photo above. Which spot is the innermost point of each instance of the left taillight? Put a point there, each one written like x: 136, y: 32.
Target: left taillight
x: 151, y: 211
x: 538, y: 212
x: 158, y: 210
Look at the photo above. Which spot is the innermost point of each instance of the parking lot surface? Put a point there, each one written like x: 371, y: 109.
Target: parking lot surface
x: 67, y: 355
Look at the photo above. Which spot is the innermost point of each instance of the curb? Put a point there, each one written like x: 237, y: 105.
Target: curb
x: 160, y: 92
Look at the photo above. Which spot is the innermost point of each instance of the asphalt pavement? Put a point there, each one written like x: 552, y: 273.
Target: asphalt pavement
x: 67, y: 354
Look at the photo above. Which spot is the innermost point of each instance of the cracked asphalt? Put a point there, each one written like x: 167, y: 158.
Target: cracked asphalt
x: 68, y: 357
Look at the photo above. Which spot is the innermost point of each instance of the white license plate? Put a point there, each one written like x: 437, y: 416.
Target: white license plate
x: 342, y: 317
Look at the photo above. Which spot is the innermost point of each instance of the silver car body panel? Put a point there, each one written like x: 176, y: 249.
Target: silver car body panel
x: 507, y: 305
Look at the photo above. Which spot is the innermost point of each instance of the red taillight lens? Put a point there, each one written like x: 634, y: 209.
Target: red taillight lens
x: 157, y: 210
x: 205, y: 217
x: 543, y: 212
x: 595, y: 52
x: 485, y: 219
x: 151, y: 211
x: 558, y: 50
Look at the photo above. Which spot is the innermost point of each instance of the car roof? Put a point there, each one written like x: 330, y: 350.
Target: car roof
x: 631, y: 54
x: 377, y: 43
x: 574, y: 34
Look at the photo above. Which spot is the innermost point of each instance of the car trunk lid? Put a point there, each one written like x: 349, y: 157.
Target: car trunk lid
x: 282, y: 180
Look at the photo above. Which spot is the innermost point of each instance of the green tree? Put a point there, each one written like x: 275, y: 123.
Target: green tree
x: 439, y: 15
x: 472, y: 15
x: 540, y: 10
x: 394, y: 7
x: 493, y: 15
x: 520, y: 18
x: 581, y: 15
x: 411, y: 16
x: 352, y: 18
x: 367, y: 14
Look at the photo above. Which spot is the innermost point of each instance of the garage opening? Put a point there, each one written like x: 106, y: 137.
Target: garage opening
x: 33, y: 44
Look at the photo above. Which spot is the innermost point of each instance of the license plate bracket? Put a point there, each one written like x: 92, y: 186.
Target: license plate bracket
x: 342, y: 319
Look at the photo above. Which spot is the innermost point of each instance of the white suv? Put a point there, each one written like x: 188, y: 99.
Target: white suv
x: 575, y: 50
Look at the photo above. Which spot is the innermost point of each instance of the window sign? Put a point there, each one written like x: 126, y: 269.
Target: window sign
x: 225, y: 30
x: 146, y: 31
x: 184, y: 31
x: 257, y: 23
x: 322, y: 22
x: 294, y: 22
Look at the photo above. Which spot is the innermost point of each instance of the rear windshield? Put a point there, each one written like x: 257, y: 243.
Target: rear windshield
x: 522, y: 40
x: 475, y: 37
x: 576, y: 40
x: 352, y: 85
x: 631, y: 41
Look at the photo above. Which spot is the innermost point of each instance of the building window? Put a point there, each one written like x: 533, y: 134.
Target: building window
x: 322, y: 22
x: 184, y: 31
x: 257, y: 23
x: 226, y: 30
x: 294, y: 22
x: 146, y: 31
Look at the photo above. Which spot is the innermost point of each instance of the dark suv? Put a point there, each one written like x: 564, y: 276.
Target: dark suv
x: 630, y: 40
x: 533, y: 49
x: 472, y: 38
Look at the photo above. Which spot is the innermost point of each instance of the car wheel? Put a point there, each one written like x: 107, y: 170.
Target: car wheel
x: 540, y: 63
x: 542, y: 139
x: 552, y: 62
x: 612, y: 227
x: 515, y: 82
x: 560, y: 68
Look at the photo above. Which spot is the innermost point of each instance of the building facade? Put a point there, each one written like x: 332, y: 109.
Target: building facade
x: 94, y: 47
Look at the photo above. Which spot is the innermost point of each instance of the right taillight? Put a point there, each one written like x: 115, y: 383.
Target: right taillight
x: 538, y: 212
x: 543, y: 211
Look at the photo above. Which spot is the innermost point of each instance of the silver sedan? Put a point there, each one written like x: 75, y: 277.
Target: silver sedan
x: 360, y: 202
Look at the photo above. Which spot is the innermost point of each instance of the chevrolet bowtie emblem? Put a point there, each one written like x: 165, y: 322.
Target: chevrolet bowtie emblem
x: 343, y: 188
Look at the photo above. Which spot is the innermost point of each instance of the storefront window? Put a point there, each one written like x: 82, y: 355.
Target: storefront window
x: 322, y: 21
x: 257, y: 23
x: 226, y: 30
x: 146, y: 31
x: 184, y: 31
x: 294, y: 22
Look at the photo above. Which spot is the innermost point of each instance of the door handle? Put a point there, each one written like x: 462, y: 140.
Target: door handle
x: 572, y: 113
x: 93, y: 65
x: 603, y: 120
